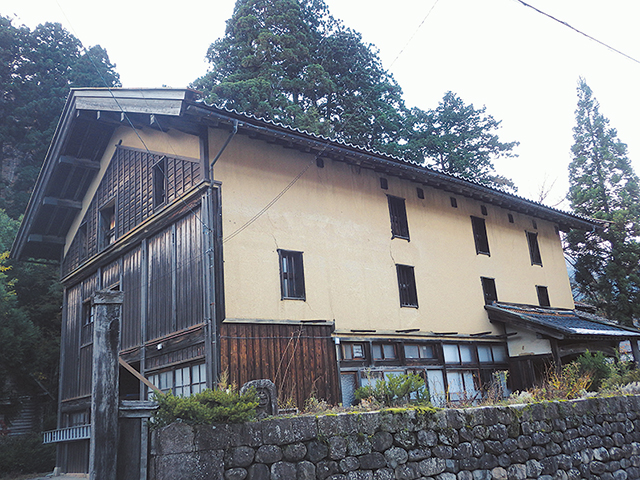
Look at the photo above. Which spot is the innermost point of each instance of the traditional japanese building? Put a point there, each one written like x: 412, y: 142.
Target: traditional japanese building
x: 251, y: 248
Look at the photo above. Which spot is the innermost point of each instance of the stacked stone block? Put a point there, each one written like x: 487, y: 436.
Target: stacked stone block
x: 596, y: 438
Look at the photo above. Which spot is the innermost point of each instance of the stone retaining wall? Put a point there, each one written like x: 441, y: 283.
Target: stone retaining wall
x: 590, y: 438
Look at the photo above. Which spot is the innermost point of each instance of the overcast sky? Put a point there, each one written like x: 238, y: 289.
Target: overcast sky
x: 521, y: 65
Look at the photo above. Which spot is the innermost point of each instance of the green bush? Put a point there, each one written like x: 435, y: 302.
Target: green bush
x: 25, y: 454
x: 597, y: 366
x: 405, y: 389
x: 206, y: 407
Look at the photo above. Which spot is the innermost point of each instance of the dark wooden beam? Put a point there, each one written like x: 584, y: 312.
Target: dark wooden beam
x: 35, y: 238
x: 62, y: 202
x: 79, y: 162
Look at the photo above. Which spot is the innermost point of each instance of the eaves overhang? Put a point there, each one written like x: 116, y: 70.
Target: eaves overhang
x: 560, y: 324
x: 91, y: 115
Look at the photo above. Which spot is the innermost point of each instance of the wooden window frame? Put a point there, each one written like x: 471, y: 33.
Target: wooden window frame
x: 383, y: 358
x: 291, y: 275
x: 534, y: 248
x: 398, y: 217
x: 543, y: 296
x: 407, y: 286
x: 160, y: 183
x: 480, y: 236
x: 108, y: 221
x: 489, y: 291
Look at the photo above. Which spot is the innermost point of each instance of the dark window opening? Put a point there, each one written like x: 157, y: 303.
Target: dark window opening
x: 87, y: 312
x: 534, y: 248
x: 291, y: 275
x: 510, y: 218
x: 129, y: 384
x: 383, y: 351
x: 489, y: 290
x: 160, y: 183
x: 398, y: 214
x: 534, y: 224
x: 420, y: 193
x: 454, y: 202
x: 483, y: 209
x: 320, y: 162
x: 480, y: 236
x: 83, y: 250
x: 384, y: 184
x: 543, y: 296
x: 108, y: 225
x: 407, y: 286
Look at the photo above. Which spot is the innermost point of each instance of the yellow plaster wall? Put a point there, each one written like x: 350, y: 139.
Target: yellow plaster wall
x: 338, y: 216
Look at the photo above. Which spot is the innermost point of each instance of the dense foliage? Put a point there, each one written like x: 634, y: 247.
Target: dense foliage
x: 37, y: 69
x: 394, y: 390
x: 604, y: 186
x: 25, y: 454
x: 206, y: 407
x: 291, y: 62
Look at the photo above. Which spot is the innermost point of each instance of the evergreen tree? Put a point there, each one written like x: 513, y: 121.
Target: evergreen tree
x: 42, y: 65
x: 289, y: 61
x: 604, y: 186
x: 459, y: 139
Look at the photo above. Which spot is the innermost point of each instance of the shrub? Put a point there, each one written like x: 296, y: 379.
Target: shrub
x: 25, y: 454
x: 597, y: 366
x: 396, y: 390
x: 206, y: 407
x: 567, y: 384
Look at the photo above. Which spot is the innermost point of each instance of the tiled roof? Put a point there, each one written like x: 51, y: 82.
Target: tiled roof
x: 567, y: 323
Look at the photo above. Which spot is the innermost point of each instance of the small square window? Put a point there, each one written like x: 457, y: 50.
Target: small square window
x: 291, y: 275
x: 480, y: 236
x: 534, y: 248
x: 510, y: 216
x: 534, y: 224
x: 398, y: 215
x: 384, y: 184
x: 320, y: 162
x: 489, y: 290
x: 420, y: 193
x: 483, y: 210
x: 407, y: 286
x: 543, y: 296
x: 454, y: 202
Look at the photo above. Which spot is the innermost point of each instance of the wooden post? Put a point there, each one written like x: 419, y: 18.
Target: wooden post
x: 635, y: 351
x: 103, y: 446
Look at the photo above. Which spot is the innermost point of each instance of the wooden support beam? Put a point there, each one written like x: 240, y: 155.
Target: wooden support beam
x: 79, y: 162
x: 35, y: 238
x: 62, y: 202
x: 139, y: 376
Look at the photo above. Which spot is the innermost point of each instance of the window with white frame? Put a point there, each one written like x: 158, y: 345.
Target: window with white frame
x: 182, y: 382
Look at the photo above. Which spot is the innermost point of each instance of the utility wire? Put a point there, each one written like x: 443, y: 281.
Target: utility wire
x: 578, y: 31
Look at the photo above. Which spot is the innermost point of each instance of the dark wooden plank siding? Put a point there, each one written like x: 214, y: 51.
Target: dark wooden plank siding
x: 189, y: 273
x: 71, y: 342
x: 160, y: 285
x: 111, y: 275
x: 299, y: 359
x: 129, y: 182
x: 132, y: 304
